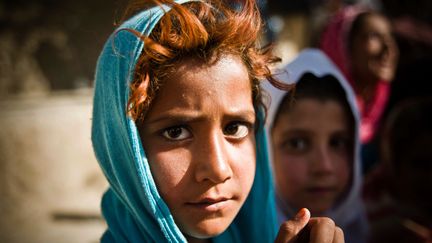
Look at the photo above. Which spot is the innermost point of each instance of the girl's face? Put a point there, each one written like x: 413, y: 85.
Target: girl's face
x: 374, y: 53
x: 312, y: 154
x: 199, y: 139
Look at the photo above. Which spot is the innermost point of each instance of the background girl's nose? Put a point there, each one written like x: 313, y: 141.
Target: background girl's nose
x: 322, y: 161
x: 389, y: 45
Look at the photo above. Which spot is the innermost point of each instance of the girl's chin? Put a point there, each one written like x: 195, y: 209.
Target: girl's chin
x: 206, y: 230
x: 201, y: 236
x: 385, y: 73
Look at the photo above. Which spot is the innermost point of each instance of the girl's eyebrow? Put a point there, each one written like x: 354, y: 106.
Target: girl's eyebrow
x: 307, y: 132
x: 243, y: 115
x: 190, y: 116
x: 182, y: 116
x: 296, y: 131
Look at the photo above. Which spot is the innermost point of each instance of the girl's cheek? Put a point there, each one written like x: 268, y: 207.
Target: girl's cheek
x: 294, y: 166
x: 375, y: 47
x: 169, y: 167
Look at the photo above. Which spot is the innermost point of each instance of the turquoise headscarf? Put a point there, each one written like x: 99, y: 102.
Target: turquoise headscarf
x: 132, y: 206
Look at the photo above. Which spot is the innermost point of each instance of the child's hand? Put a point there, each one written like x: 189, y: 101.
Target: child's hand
x: 303, y: 228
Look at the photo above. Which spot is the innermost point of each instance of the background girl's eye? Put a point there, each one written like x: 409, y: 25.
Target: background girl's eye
x: 373, y: 36
x: 340, y: 143
x: 295, y: 144
x: 176, y: 133
x: 298, y: 144
x: 236, y: 130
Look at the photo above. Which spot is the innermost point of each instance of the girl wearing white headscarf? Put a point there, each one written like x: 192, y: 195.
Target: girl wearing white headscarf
x: 314, y: 136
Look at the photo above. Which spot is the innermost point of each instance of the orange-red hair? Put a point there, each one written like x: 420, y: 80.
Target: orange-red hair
x: 206, y: 30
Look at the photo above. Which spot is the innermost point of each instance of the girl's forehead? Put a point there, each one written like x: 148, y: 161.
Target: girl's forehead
x: 196, y: 75
x: 221, y: 87
x: 375, y: 21
x: 309, y: 113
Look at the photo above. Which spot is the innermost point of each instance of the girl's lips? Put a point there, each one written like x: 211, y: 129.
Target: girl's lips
x: 320, y: 190
x: 210, y: 204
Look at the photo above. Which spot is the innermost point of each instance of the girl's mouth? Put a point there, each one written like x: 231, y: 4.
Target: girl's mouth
x: 210, y: 204
x: 320, y: 190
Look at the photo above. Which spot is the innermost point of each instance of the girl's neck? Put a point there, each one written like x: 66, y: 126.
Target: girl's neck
x: 366, y: 90
x: 196, y: 240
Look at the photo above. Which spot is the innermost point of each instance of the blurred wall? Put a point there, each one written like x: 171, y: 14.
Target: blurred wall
x: 50, y: 182
x: 50, y: 45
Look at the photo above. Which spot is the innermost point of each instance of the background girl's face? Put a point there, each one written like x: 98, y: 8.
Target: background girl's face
x: 374, y: 53
x: 312, y: 154
x: 200, y: 142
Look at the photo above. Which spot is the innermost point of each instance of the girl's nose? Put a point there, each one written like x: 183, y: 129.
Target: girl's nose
x: 322, y: 161
x: 388, y: 46
x: 213, y: 161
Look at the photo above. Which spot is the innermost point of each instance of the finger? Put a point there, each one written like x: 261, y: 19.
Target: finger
x: 322, y: 230
x: 289, y: 230
x: 338, y: 236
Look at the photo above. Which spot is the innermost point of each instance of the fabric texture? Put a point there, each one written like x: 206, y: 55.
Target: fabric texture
x: 334, y: 42
x: 349, y: 213
x: 132, y: 206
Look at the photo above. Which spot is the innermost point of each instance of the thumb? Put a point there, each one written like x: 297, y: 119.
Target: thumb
x: 289, y: 230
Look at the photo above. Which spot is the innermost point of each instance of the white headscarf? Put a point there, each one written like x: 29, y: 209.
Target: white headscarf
x: 349, y: 213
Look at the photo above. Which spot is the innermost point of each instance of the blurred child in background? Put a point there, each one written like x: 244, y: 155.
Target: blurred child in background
x: 398, y: 192
x: 361, y: 44
x: 314, y: 140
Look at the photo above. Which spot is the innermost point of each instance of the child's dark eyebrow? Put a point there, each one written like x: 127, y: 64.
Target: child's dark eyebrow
x: 189, y: 116
x: 178, y: 116
x: 243, y: 115
x: 296, y: 131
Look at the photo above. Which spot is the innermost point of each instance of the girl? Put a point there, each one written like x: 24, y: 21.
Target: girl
x: 178, y: 129
x: 314, y: 140
x: 361, y: 44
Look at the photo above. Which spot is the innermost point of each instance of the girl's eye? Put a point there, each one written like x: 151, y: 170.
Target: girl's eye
x: 176, y: 133
x: 339, y: 143
x: 373, y: 36
x: 236, y: 130
x: 298, y: 144
x: 295, y: 144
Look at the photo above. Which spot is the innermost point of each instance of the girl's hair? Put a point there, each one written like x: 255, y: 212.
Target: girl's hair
x: 206, y: 30
x: 318, y: 88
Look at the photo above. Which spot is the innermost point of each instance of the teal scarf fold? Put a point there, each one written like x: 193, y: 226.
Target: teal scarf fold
x: 132, y: 206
